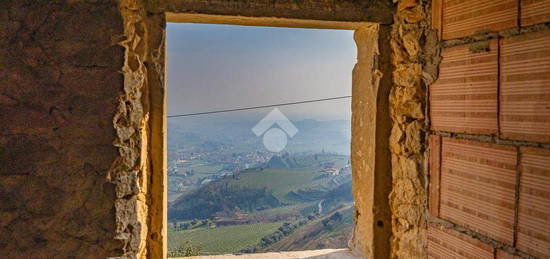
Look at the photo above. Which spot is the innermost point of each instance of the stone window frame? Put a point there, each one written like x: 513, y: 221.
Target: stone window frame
x: 371, y: 128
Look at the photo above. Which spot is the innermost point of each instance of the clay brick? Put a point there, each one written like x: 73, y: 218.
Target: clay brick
x: 434, y: 143
x: 447, y: 243
x: 478, y: 187
x: 534, y: 11
x: 464, y: 98
x: 525, y: 87
x: 437, y: 8
x: 463, y: 18
x: 504, y: 255
x: 533, y: 235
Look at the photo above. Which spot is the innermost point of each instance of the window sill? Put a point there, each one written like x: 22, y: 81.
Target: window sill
x: 309, y: 254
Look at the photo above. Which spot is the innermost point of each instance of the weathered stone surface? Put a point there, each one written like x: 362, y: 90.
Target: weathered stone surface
x: 60, y: 86
x: 140, y: 194
x: 332, y: 10
x: 415, y: 57
x: 370, y: 152
x: 434, y: 174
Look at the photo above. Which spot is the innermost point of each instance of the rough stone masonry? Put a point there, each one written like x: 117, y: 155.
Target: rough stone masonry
x: 82, y: 122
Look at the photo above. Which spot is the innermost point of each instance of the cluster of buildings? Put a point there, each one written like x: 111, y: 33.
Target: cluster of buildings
x: 334, y: 171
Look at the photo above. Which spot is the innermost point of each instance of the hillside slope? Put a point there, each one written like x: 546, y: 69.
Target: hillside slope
x: 327, y: 232
x: 248, y: 191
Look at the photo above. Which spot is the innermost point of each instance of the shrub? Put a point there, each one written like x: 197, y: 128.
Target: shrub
x: 186, y: 249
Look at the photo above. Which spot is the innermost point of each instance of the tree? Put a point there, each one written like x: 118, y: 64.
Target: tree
x: 186, y: 249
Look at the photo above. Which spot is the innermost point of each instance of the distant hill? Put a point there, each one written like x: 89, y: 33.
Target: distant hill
x: 220, y: 196
x: 331, y: 231
x: 318, y: 161
x: 331, y: 197
x: 312, y: 136
x: 257, y: 189
x: 282, y: 162
x: 249, y: 190
x: 297, y: 202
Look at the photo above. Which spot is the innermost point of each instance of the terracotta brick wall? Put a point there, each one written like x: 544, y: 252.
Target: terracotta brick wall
x: 446, y: 243
x: 489, y: 137
x: 462, y: 18
x: 525, y: 87
x: 477, y: 186
x: 533, y: 231
x: 464, y: 99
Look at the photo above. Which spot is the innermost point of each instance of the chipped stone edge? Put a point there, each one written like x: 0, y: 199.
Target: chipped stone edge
x: 130, y: 171
x: 416, y: 57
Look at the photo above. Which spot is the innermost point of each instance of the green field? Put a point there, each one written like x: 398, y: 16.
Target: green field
x: 282, y: 181
x: 201, y: 169
x: 314, y: 235
x: 285, y: 209
x: 304, y: 175
x: 221, y: 240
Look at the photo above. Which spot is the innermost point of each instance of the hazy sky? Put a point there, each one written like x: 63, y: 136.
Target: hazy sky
x: 213, y: 67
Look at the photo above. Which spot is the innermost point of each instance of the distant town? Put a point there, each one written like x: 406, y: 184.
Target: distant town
x: 225, y: 181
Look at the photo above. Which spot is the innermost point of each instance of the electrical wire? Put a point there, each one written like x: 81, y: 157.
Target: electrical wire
x: 258, y: 107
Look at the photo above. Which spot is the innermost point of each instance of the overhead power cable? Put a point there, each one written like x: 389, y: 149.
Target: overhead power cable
x: 259, y: 107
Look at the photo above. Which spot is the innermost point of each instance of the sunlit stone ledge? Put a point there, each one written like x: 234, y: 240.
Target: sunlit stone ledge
x: 309, y: 254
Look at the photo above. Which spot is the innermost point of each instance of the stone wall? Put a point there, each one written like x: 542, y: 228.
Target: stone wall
x: 370, y: 157
x: 137, y: 174
x: 490, y: 133
x: 60, y: 87
x: 82, y: 106
x: 416, y: 59
x: 77, y: 129
x: 377, y: 11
